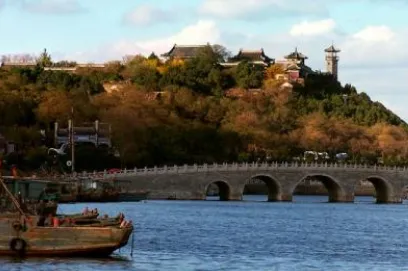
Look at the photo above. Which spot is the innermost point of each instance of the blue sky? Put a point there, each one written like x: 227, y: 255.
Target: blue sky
x: 372, y: 34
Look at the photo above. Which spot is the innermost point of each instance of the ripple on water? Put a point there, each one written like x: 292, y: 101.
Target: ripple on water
x: 304, y: 235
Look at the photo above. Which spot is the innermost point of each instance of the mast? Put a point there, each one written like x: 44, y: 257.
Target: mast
x: 13, y: 199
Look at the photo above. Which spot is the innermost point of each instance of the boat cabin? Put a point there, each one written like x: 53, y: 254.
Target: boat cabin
x: 34, y: 189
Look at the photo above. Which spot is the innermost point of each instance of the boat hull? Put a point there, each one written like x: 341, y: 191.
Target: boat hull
x: 63, y: 241
x: 98, y: 252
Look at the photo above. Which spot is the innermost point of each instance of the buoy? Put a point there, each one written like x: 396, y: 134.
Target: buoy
x: 18, y: 245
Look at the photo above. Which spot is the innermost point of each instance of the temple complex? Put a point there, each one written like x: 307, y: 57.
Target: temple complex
x: 293, y: 64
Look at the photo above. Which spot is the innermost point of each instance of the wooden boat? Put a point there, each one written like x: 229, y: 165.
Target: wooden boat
x: 61, y: 241
x: 24, y: 234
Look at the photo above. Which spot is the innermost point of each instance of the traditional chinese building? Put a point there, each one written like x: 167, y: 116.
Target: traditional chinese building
x: 98, y: 134
x: 256, y: 57
x: 183, y: 51
x: 295, y: 67
x: 332, y: 60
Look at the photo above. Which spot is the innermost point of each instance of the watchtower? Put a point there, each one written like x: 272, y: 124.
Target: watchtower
x: 332, y: 60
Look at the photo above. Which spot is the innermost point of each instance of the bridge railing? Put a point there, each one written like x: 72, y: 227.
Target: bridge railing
x: 243, y: 167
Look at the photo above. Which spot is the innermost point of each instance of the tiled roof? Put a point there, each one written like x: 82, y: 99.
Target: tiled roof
x: 296, y: 55
x: 183, y: 51
x: 332, y: 49
x: 252, y: 55
x: 292, y: 67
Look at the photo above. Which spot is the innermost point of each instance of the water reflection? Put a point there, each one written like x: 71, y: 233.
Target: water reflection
x: 299, y: 199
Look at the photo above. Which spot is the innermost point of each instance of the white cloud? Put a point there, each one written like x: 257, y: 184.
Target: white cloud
x: 375, y: 34
x: 375, y: 47
x: 307, y: 28
x: 232, y: 8
x: 52, y: 6
x: 199, y: 33
x: 145, y: 15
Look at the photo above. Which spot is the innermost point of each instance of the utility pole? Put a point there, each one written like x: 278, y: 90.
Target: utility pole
x: 72, y: 139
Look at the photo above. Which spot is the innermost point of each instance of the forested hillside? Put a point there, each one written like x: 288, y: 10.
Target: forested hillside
x: 186, y: 112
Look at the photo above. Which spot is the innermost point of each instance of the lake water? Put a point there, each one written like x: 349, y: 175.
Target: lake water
x: 307, y: 234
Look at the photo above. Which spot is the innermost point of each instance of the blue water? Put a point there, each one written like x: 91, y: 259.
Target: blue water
x: 307, y: 234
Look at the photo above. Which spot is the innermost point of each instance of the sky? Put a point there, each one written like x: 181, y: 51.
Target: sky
x: 371, y: 34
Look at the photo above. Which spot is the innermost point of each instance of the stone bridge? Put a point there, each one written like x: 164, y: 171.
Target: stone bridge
x: 192, y: 182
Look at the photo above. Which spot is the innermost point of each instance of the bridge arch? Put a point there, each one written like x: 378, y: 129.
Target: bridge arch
x: 384, y: 190
x: 334, y: 188
x: 273, y: 186
x: 224, y: 189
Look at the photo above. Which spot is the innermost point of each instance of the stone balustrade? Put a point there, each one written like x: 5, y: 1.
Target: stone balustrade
x: 233, y: 167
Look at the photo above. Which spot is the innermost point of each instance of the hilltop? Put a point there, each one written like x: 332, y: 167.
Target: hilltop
x: 196, y: 110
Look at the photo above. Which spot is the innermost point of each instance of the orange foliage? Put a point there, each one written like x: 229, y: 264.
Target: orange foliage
x: 175, y: 62
x: 391, y: 140
x: 55, y: 106
x: 274, y: 70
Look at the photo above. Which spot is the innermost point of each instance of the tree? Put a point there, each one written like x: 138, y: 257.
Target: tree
x: 54, y: 106
x: 272, y: 71
x: 153, y: 56
x: 146, y: 76
x: 221, y: 52
x: 248, y: 75
x: 45, y: 59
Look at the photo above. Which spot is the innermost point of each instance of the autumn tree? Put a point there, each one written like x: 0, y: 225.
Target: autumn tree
x: 55, y: 106
x: 272, y: 71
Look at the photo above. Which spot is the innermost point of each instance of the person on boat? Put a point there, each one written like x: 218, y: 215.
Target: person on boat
x: 22, y: 202
x: 48, y: 221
